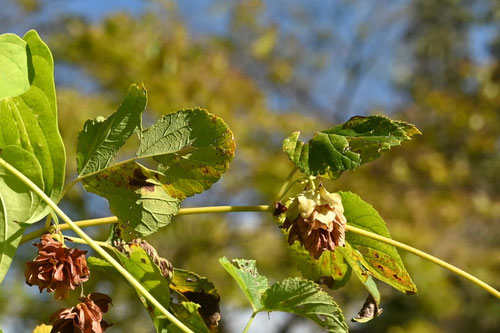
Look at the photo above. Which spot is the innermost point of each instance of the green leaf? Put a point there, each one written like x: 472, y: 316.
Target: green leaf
x: 248, y: 278
x: 141, y: 266
x: 18, y: 203
x: 101, y: 265
x: 29, y: 121
x: 187, y: 312
x: 100, y: 139
x: 380, y: 259
x: 136, y: 196
x: 329, y: 269
x: 305, y: 298
x: 192, y: 287
x: 14, y: 67
x: 371, y: 308
x: 193, y: 148
x: 347, y: 146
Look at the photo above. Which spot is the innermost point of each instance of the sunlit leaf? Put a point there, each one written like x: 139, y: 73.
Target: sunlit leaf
x: 305, y: 298
x: 248, y: 278
x: 193, y: 148
x: 347, y: 146
x: 381, y: 260
x: 18, y: 203
x: 136, y: 196
x: 100, y: 139
x: 14, y: 67
x: 302, y: 297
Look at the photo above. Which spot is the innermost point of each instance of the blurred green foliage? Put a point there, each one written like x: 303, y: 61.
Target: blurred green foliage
x: 439, y: 193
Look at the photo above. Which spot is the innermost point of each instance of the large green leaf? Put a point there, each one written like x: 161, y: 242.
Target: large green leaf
x: 193, y: 148
x: 302, y: 297
x: 100, y: 139
x: 305, y: 298
x: 136, y: 196
x: 29, y: 121
x: 347, y: 146
x: 248, y: 278
x: 14, y: 67
x: 18, y: 202
x: 380, y: 260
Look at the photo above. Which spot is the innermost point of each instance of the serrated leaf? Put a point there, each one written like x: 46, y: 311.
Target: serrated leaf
x: 381, y: 260
x: 329, y: 269
x: 347, y: 146
x: 245, y: 273
x: 136, y: 196
x: 14, y: 66
x: 100, y: 139
x: 193, y: 148
x: 305, y: 298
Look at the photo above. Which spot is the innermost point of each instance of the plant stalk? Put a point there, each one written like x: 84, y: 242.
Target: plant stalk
x: 426, y: 256
x: 284, y: 188
x: 182, y: 211
x: 249, y: 323
x: 95, y: 246
x: 268, y: 209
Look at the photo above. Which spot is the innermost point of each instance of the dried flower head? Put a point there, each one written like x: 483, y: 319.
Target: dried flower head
x: 316, y: 219
x: 57, y: 267
x: 86, y: 317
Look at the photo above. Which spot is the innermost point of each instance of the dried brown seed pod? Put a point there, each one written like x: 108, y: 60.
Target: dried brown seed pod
x: 86, y: 317
x: 316, y: 219
x: 57, y: 267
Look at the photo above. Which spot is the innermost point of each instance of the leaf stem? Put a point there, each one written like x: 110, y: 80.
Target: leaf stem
x: 82, y: 241
x: 249, y: 323
x: 268, y: 209
x: 137, y: 285
x: 284, y: 188
x: 182, y: 211
x: 426, y: 256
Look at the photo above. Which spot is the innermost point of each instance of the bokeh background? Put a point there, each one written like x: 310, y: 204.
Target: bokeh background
x: 270, y: 68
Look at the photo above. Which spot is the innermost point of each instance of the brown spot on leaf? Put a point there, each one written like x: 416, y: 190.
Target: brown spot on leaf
x: 139, y: 180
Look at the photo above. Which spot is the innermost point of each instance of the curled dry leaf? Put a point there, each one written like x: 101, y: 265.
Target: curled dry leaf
x: 57, y: 267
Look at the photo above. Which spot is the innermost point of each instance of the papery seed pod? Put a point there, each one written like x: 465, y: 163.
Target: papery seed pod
x: 57, y: 267
x: 316, y: 219
x: 85, y: 317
